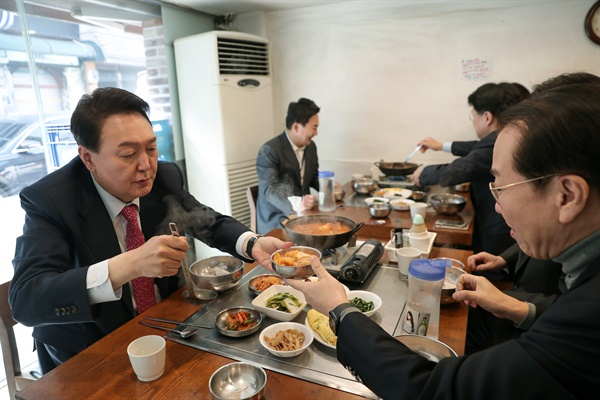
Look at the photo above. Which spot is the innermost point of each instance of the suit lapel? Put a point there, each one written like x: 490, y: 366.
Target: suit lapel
x: 290, y: 155
x: 96, y: 227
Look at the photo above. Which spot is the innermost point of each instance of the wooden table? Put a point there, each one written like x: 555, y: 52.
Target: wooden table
x: 445, y: 237
x: 103, y: 371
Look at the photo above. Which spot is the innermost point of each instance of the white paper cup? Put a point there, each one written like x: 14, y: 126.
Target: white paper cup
x: 419, y: 241
x: 147, y: 355
x: 418, y: 208
x: 405, y: 255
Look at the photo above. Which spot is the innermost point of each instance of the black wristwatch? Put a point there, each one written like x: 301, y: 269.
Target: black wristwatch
x: 337, y: 314
x: 250, y: 245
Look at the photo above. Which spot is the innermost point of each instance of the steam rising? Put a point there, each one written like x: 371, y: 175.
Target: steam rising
x: 196, y: 222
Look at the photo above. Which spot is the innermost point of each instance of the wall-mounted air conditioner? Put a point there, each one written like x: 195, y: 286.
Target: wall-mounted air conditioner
x: 226, y: 104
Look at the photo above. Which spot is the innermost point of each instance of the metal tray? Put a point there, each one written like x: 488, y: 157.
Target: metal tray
x: 318, y: 363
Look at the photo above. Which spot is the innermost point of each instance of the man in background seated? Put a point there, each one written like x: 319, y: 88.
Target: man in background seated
x: 93, y: 254
x: 490, y: 232
x: 287, y: 165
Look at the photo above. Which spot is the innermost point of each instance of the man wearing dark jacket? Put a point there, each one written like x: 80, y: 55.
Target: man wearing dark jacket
x: 490, y: 232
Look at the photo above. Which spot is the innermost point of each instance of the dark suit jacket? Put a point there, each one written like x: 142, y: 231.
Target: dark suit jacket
x: 556, y: 359
x: 490, y: 232
x: 67, y: 229
x: 279, y: 177
x: 535, y: 281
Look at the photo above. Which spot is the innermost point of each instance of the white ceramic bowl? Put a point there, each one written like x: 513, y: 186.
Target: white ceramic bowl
x: 272, y: 330
x: 366, y: 296
x: 370, y: 200
x: 260, y: 303
x: 401, y: 204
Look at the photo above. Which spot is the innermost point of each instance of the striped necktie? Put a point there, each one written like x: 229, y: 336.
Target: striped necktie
x: 143, y: 287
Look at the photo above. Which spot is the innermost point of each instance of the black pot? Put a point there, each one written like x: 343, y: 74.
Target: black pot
x: 396, y: 168
x: 320, y: 242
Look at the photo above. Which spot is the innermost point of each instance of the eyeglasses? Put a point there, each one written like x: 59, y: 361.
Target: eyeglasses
x: 497, y: 190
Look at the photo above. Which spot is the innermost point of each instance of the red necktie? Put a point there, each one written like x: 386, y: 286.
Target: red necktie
x: 143, y: 287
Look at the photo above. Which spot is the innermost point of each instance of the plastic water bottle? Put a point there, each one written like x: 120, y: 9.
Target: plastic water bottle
x: 326, y: 196
x: 422, y: 312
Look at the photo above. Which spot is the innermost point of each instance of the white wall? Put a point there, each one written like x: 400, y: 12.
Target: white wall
x: 388, y: 73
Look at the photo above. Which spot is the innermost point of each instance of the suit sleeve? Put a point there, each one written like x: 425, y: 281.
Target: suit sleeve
x: 472, y: 167
x: 462, y: 148
x: 551, y: 359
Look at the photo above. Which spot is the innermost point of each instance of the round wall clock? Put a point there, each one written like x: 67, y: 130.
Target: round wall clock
x: 592, y: 23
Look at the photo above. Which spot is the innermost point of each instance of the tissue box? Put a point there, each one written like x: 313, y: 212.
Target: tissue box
x: 391, y: 250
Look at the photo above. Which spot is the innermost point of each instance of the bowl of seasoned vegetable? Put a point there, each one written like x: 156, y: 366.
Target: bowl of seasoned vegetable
x: 279, y: 302
x: 238, y: 321
x: 367, y: 302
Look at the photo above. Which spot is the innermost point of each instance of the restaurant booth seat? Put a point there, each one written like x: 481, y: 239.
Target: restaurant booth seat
x: 15, y: 379
x: 252, y: 196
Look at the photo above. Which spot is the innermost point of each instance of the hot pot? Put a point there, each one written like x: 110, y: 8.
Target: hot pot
x: 320, y: 242
x: 396, y: 168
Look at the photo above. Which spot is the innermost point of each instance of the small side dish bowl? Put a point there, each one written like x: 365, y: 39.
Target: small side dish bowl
x: 238, y: 380
x: 271, y: 332
x: 380, y: 210
x: 365, y: 297
x: 302, y: 271
x: 431, y: 349
x: 260, y: 283
x: 221, y: 321
x: 448, y: 204
x: 449, y: 287
x: 218, y: 273
x: 401, y: 204
x: 418, y: 195
x: 260, y: 303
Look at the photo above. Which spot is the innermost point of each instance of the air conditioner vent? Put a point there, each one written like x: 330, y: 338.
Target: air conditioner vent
x: 242, y: 57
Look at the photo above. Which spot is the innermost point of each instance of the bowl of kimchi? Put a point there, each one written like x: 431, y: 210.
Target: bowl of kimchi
x: 294, y: 262
x: 238, y: 321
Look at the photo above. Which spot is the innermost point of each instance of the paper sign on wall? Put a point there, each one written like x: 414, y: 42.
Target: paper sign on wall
x: 476, y: 69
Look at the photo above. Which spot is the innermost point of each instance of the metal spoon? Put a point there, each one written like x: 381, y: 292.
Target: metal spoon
x: 413, y: 153
x: 186, y: 333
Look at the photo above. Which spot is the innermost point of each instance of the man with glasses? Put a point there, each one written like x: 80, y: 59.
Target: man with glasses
x: 490, y: 232
x: 551, y: 203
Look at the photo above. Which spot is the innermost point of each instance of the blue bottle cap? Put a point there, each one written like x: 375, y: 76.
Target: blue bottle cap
x: 426, y: 271
x: 326, y: 174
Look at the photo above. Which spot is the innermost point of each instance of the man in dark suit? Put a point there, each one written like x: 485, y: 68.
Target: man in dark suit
x: 287, y: 165
x: 490, y: 232
x: 533, y: 281
x: 75, y: 266
x: 552, y: 204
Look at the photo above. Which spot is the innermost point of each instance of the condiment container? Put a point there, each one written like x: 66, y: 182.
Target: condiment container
x: 422, y: 312
x: 326, y: 195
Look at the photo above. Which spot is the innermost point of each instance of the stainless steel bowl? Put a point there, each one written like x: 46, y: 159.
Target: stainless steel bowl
x: 221, y: 321
x: 294, y: 272
x: 431, y: 349
x: 448, y: 204
x: 204, y: 274
x: 452, y: 275
x: 364, y: 185
x: 238, y: 380
x: 380, y: 210
x: 251, y: 282
x: 339, y: 194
